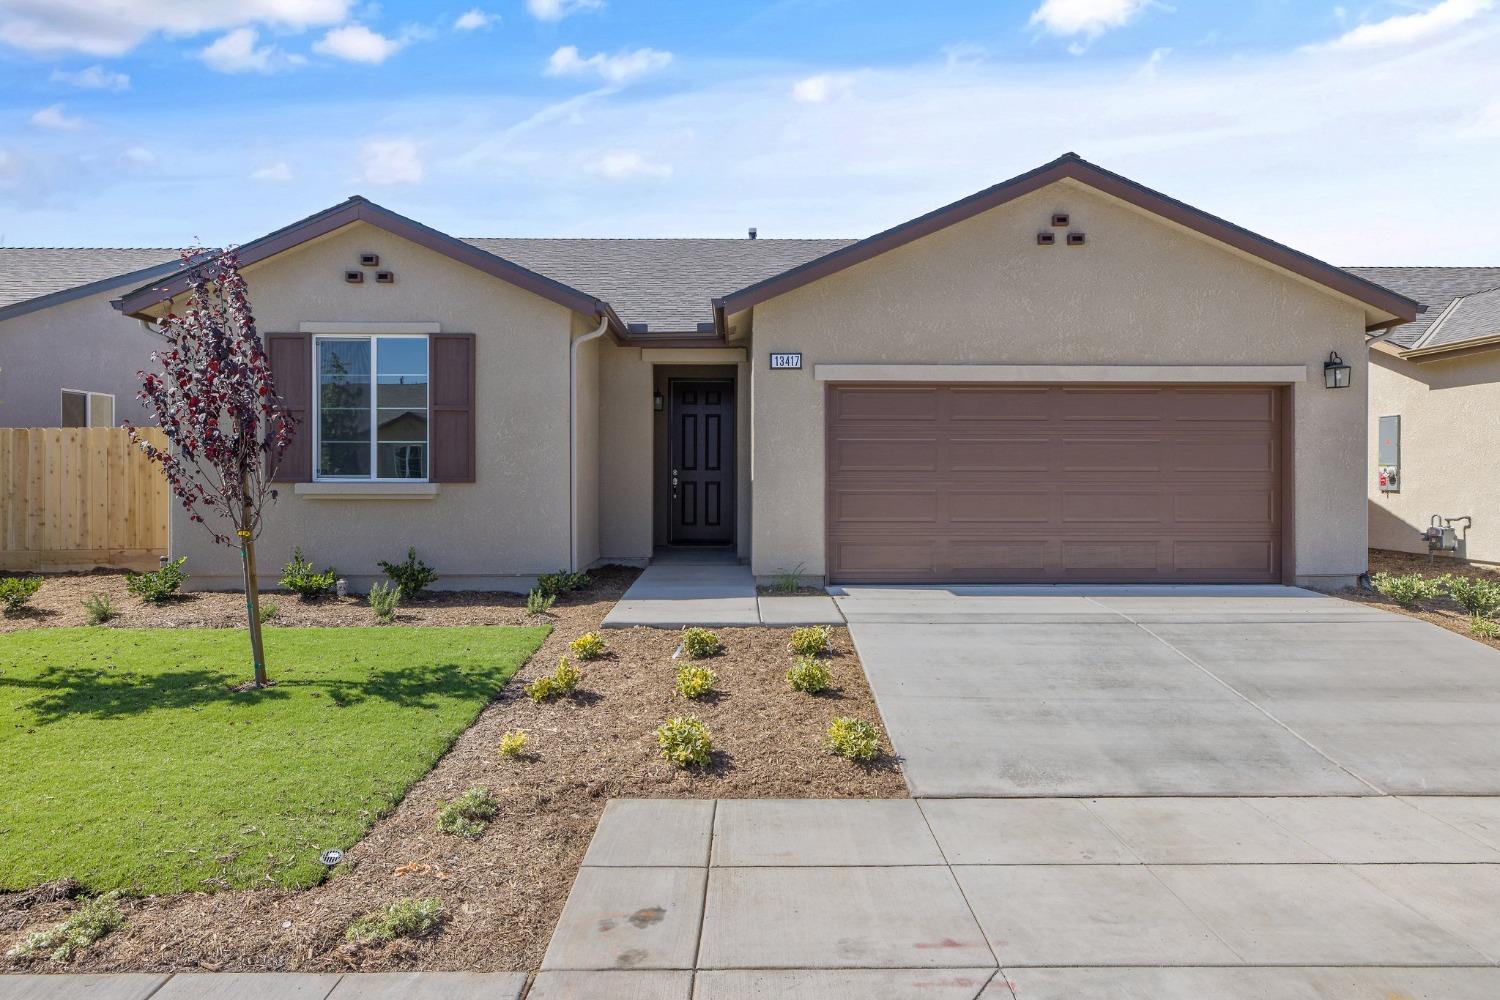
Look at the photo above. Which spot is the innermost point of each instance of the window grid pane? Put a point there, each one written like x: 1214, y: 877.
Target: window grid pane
x: 372, y: 408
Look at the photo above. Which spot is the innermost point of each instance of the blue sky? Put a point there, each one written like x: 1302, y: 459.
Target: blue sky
x: 1365, y: 133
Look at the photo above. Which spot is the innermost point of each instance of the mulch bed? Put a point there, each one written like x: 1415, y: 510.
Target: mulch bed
x: 1443, y: 611
x: 503, y: 892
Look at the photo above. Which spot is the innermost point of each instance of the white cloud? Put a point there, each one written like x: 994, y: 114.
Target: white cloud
x: 626, y: 164
x: 356, y: 43
x: 114, y: 27
x: 1404, y: 29
x: 93, y: 78
x: 473, y: 19
x: 278, y: 172
x: 53, y: 117
x: 820, y: 88
x: 1089, y: 18
x: 1154, y: 60
x: 391, y: 161
x: 617, y: 68
x: 1485, y: 124
x: 138, y: 157
x: 556, y: 10
x: 238, y: 51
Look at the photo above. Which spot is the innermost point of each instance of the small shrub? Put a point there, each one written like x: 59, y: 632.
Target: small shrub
x: 1484, y: 628
x: 809, y: 675
x: 695, y: 682
x: 538, y: 603
x: 160, y: 585
x: 1407, y: 590
x: 91, y: 921
x: 513, y: 742
x: 1479, y: 597
x: 100, y: 608
x: 302, y: 579
x: 17, y: 591
x: 699, y: 643
x: 854, y: 738
x: 813, y: 641
x: 384, y: 599
x: 268, y: 610
x: 561, y: 582
x: 563, y: 680
x: 469, y: 814
x: 589, y: 646
x: 411, y: 576
x: 685, y: 741
x: 405, y: 918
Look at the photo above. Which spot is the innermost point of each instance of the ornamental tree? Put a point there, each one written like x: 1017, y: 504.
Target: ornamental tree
x: 215, y: 400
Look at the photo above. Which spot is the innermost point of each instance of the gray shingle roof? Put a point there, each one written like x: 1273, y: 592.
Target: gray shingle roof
x: 667, y: 284
x: 1434, y: 287
x: 30, y: 272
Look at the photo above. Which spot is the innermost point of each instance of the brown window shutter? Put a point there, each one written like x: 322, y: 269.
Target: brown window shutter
x: 450, y: 360
x: 291, y: 365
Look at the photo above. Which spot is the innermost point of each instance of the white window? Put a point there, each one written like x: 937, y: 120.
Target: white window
x: 371, y: 407
x: 87, y: 409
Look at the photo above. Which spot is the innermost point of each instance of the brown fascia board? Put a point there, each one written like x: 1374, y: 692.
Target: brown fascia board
x: 1075, y: 167
x: 1457, y: 349
x: 360, y: 209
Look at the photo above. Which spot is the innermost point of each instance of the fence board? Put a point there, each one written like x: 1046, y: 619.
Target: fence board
x: 74, y: 498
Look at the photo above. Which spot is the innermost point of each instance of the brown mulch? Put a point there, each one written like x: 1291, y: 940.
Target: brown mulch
x: 1443, y: 611
x: 60, y: 602
x: 503, y: 892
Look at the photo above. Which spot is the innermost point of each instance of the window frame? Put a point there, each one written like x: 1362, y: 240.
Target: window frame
x: 317, y: 407
x: 88, y: 407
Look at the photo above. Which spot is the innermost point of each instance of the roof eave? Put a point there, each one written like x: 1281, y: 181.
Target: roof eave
x: 63, y: 295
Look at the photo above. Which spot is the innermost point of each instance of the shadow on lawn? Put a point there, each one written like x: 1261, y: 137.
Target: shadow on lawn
x: 71, y: 692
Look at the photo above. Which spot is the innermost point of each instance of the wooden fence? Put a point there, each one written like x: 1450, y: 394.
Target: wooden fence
x: 73, y: 498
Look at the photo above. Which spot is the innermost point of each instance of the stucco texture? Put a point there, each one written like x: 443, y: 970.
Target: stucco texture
x: 1450, y: 450
x: 501, y: 530
x: 84, y: 345
x: 1140, y: 292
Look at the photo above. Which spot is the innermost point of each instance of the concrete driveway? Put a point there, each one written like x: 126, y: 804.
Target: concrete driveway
x: 1129, y: 691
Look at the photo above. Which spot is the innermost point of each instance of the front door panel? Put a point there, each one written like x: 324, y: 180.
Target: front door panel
x: 702, y: 457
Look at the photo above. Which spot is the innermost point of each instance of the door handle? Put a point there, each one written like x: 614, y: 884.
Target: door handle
x: 674, y: 484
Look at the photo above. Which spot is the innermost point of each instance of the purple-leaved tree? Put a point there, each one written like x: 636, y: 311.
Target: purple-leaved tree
x: 215, y: 399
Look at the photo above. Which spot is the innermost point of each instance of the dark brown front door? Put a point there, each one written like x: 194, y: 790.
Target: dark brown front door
x: 1054, y: 484
x: 702, y: 457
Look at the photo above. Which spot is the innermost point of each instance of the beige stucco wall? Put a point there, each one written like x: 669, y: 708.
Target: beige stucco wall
x: 1141, y: 291
x: 499, y: 531
x: 84, y: 344
x: 1450, y: 450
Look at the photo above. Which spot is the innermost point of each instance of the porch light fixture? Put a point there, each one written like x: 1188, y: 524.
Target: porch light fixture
x: 657, y: 402
x: 1335, y: 372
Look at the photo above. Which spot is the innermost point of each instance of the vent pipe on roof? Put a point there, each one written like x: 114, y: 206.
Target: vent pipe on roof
x: 752, y: 232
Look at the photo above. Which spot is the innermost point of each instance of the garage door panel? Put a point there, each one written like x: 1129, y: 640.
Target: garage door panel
x: 1054, y: 483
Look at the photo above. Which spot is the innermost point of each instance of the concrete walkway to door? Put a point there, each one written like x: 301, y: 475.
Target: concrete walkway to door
x: 1118, y: 691
x: 710, y: 587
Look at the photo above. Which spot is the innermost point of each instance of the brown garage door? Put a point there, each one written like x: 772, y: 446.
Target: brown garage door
x: 985, y: 483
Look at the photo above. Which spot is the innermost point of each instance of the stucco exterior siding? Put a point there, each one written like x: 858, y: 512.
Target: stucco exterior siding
x: 499, y: 531
x: 1450, y: 451
x: 1141, y: 291
x: 84, y: 345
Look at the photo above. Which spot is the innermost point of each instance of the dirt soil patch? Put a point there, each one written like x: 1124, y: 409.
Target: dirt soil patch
x: 503, y: 891
x: 1443, y: 611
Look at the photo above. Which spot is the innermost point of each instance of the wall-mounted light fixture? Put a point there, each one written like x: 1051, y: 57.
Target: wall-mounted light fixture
x: 1335, y: 372
x: 657, y: 402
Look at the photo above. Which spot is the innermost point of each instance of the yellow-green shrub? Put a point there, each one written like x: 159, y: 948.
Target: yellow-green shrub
x: 469, y: 814
x: 699, y: 643
x: 563, y: 680
x: 854, y: 738
x: 814, y: 640
x: 695, y: 682
x: 405, y: 918
x: 809, y: 675
x: 512, y: 742
x: 589, y: 646
x: 685, y: 741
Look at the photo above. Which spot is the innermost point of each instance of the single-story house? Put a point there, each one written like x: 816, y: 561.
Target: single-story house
x: 66, y: 358
x: 1434, y: 449
x: 1067, y: 377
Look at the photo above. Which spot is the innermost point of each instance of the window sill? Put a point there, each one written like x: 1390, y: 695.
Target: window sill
x: 367, y: 491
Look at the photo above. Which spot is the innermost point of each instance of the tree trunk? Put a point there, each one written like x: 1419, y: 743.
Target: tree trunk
x: 252, y: 599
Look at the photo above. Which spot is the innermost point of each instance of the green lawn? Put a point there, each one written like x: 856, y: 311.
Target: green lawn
x: 127, y: 760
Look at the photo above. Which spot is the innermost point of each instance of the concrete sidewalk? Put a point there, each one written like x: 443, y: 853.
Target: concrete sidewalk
x: 1171, y: 899
x: 710, y: 588
x: 268, y: 986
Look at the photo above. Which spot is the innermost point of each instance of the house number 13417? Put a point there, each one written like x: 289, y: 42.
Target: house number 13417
x: 786, y: 361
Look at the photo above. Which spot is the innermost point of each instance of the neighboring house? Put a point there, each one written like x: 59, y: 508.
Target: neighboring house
x: 66, y: 358
x: 1435, y: 412
x: 1066, y: 377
